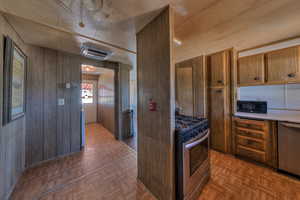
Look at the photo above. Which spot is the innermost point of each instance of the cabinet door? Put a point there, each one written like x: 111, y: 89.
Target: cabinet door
x: 217, y: 69
x: 217, y: 119
x: 184, y: 90
x: 251, y: 70
x: 283, y: 66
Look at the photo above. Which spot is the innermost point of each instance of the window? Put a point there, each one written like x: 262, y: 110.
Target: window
x: 87, y: 93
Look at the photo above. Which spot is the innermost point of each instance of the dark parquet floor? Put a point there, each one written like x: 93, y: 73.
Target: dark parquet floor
x: 107, y: 170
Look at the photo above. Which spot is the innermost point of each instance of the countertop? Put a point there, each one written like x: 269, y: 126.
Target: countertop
x: 276, y: 115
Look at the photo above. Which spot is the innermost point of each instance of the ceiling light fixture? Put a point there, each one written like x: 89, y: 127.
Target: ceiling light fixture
x: 177, y: 42
x: 81, y: 24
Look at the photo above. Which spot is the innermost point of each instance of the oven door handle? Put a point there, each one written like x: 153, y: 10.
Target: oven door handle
x: 196, y: 142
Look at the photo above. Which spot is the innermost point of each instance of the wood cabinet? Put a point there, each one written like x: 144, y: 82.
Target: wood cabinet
x: 255, y: 140
x: 219, y: 103
x: 190, y: 87
x: 283, y: 66
x: 251, y: 70
x: 275, y: 67
x: 218, y: 124
x: 217, y: 70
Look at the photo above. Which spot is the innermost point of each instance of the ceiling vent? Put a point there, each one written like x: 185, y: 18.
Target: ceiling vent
x: 95, y: 53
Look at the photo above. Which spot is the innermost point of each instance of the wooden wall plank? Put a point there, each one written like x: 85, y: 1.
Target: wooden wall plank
x: 63, y: 119
x: 75, y: 104
x: 106, y: 106
x: 50, y: 114
x: 125, y: 99
x: 156, y: 129
x: 34, y: 107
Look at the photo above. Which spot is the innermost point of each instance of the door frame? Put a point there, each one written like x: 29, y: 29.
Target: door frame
x: 115, y: 67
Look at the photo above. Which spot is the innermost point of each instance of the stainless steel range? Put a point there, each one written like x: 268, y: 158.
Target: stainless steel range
x: 192, y: 156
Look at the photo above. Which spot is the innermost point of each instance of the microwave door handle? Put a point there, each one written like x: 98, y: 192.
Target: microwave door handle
x: 195, y: 143
x: 290, y: 125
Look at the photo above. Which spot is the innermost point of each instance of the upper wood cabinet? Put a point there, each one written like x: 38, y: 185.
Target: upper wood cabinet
x: 251, y: 70
x: 217, y: 69
x: 283, y: 66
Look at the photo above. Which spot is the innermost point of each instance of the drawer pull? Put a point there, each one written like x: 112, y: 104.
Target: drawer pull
x: 219, y: 81
x: 291, y: 75
x: 256, y: 78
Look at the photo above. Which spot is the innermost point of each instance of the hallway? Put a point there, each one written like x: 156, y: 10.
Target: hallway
x: 105, y: 170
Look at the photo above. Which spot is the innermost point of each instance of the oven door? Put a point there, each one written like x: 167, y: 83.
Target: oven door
x: 195, y: 163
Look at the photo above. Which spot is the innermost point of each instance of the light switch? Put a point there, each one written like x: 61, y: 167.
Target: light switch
x: 61, y: 102
x: 68, y: 85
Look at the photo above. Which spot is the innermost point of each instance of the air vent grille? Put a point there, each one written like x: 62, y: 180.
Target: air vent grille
x: 94, y: 53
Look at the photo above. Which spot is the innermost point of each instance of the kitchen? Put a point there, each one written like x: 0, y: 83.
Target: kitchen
x: 251, y: 98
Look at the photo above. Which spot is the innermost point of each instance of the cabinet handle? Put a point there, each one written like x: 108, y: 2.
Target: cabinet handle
x: 256, y: 78
x: 219, y: 91
x: 219, y: 81
x: 291, y: 75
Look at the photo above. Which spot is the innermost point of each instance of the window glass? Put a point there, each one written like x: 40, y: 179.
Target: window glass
x: 87, y: 93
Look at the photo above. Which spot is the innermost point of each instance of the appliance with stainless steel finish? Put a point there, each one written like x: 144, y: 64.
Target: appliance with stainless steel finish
x: 289, y: 147
x: 252, y: 106
x: 192, y: 156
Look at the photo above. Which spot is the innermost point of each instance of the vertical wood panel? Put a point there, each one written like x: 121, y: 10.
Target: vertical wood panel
x: 63, y: 119
x: 125, y: 100
x: 155, y: 77
x: 75, y: 104
x: 200, y: 87
x: 60, y: 110
x: 50, y: 115
x: 107, y: 104
x: 34, y: 120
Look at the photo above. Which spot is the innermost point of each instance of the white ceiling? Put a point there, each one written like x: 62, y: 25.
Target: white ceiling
x: 203, y: 26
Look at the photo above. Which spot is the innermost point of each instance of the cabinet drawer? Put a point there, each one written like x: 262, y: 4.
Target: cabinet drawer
x: 251, y: 143
x: 251, y: 124
x: 251, y: 153
x: 250, y: 133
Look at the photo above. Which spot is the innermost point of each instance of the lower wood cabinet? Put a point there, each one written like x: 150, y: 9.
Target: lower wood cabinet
x: 256, y: 140
x: 219, y: 122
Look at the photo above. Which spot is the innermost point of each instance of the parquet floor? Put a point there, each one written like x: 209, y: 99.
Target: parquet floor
x: 107, y: 170
x: 131, y: 142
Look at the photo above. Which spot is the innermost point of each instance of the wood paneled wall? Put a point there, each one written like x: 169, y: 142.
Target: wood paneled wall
x: 52, y: 130
x: 12, y: 135
x: 106, y: 101
x: 156, y: 81
x: 124, y: 96
x: 191, y: 87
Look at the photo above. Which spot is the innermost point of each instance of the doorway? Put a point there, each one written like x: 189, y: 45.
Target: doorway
x: 89, y: 100
x: 98, y: 97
